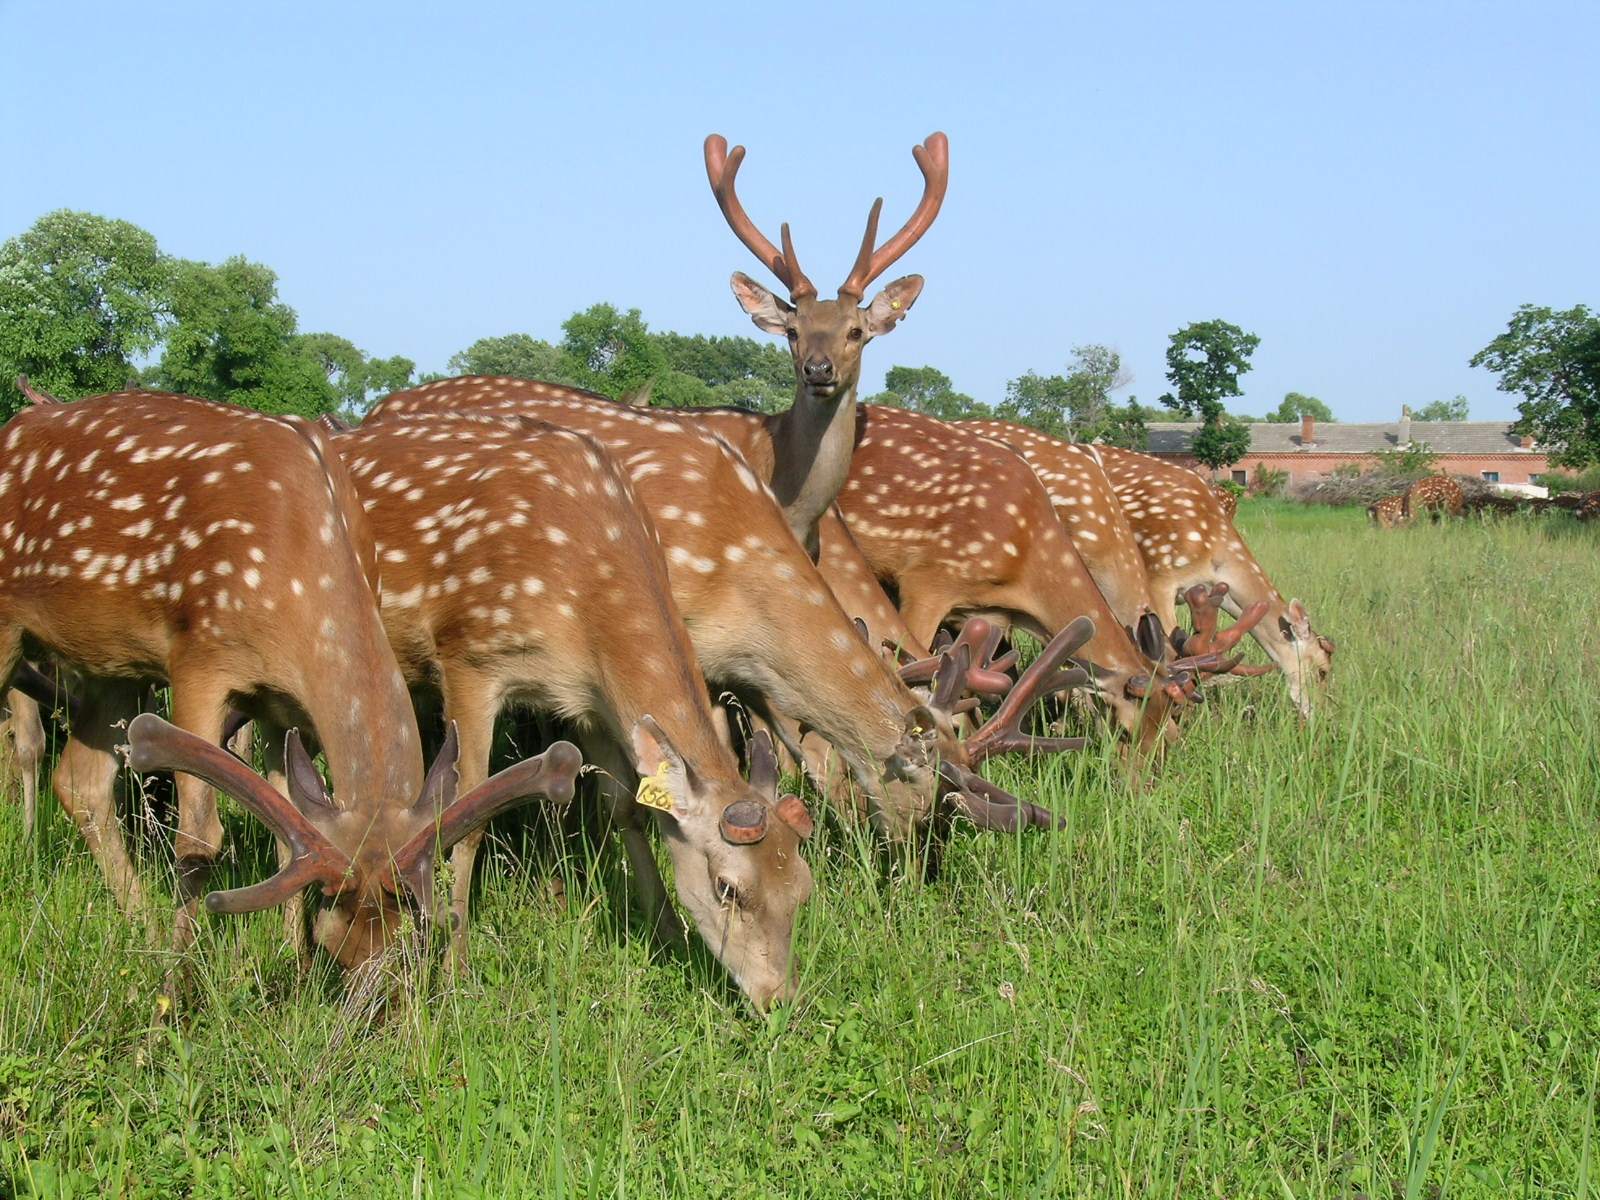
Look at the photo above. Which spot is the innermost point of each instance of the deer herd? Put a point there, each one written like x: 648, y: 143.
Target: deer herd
x: 702, y: 601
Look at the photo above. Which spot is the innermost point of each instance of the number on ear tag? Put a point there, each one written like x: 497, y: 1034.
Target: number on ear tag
x: 653, y: 791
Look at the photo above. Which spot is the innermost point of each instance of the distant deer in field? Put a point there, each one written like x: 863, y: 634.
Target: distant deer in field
x: 764, y: 623
x: 1439, y: 496
x: 1390, y: 512
x: 1187, y: 541
x: 518, y: 569
x: 804, y: 452
x: 146, y: 536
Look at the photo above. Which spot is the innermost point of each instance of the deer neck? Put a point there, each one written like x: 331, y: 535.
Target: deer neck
x: 363, y: 717
x: 812, y: 442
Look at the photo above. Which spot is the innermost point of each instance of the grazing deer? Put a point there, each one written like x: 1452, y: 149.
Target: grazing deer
x: 1187, y: 541
x: 804, y: 452
x: 1437, y: 495
x: 1390, y: 512
x: 147, y: 536
x: 763, y: 621
x: 959, y: 524
x: 1087, y: 506
x: 519, y: 569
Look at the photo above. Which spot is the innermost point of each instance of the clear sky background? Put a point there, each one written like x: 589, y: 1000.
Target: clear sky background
x: 1372, y: 189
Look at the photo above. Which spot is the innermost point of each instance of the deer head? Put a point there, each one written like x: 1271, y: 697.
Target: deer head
x: 826, y: 336
x: 362, y: 859
x: 735, y: 850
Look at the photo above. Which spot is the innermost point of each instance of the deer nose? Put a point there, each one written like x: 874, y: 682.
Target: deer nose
x: 819, y: 370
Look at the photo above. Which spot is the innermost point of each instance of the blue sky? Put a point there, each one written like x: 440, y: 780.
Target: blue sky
x: 1372, y: 188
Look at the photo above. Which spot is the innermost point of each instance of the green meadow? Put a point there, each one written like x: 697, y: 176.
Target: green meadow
x: 1358, y: 956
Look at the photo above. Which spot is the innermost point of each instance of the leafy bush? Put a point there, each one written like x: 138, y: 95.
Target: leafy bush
x: 1584, y: 481
x: 1269, y: 482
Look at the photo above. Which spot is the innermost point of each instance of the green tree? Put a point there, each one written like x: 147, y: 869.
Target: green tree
x: 1442, y: 410
x: 1204, y: 362
x: 1075, y: 406
x: 1296, y: 405
x: 1221, y: 442
x: 356, y: 380
x: 1552, y: 359
x: 82, y: 298
x: 232, y: 339
x: 1125, y: 425
x: 612, y: 352
x: 927, y: 390
x: 516, y: 355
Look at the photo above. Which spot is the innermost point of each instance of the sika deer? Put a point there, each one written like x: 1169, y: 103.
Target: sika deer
x: 1437, y: 495
x: 763, y: 622
x: 146, y: 536
x: 804, y: 453
x: 1187, y: 541
x: 519, y: 569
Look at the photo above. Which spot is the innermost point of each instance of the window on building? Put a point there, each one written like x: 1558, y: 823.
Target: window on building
x: 1241, y: 477
x: 1491, y: 476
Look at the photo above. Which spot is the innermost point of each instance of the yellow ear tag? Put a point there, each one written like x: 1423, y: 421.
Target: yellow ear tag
x: 894, y: 304
x: 653, y: 791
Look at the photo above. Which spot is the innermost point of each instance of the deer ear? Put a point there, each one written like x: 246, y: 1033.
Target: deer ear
x: 770, y: 314
x: 889, y: 306
x: 666, y: 783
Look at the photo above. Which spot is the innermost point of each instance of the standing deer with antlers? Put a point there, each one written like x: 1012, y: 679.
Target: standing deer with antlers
x: 804, y: 452
x: 519, y: 569
x: 1186, y: 542
x: 763, y: 621
x: 146, y: 536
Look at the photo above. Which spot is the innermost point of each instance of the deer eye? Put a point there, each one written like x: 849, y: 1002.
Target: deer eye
x: 728, y: 893
x: 855, y: 333
x: 794, y: 334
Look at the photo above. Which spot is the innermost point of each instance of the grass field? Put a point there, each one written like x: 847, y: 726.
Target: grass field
x: 1359, y: 956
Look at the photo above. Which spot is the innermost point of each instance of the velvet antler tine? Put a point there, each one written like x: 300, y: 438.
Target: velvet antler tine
x: 763, y: 764
x: 443, y: 778
x: 1041, y: 818
x: 1248, y: 620
x: 951, y: 678
x: 1002, y: 733
x: 933, y: 160
x: 153, y: 744
x: 722, y: 167
x: 863, y: 264
x: 305, y: 783
x: 551, y: 774
x: 799, y: 285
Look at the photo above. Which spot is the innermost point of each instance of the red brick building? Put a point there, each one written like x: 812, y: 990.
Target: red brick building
x: 1485, y: 450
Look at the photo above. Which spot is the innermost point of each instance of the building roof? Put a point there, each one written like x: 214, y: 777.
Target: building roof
x: 1335, y: 437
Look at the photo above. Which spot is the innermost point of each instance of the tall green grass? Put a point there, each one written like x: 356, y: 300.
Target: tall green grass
x: 1358, y: 956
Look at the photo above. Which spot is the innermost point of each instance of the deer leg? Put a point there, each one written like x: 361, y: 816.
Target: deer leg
x: 272, y: 746
x: 200, y: 706
x: 85, y: 782
x: 27, y: 744
x: 27, y: 736
x: 470, y: 700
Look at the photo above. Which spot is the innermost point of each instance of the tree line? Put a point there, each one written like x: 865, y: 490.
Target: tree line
x: 89, y: 304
